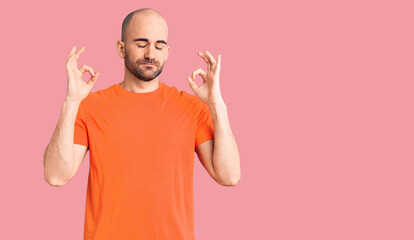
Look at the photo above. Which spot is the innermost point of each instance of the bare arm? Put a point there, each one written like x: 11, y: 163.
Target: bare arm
x: 226, y: 158
x: 219, y: 156
x: 62, y: 158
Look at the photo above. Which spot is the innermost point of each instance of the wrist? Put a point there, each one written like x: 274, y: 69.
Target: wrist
x: 217, y: 104
x: 69, y: 101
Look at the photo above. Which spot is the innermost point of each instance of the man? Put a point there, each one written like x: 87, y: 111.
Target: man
x: 142, y: 134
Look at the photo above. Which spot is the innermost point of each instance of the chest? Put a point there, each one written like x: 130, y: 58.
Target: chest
x: 142, y: 125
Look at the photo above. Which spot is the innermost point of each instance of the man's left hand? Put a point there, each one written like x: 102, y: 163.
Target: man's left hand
x: 209, y: 91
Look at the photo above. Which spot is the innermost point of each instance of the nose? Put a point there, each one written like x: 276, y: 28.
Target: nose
x: 150, y: 53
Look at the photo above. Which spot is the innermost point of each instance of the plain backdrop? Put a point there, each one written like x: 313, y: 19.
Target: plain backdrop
x: 319, y: 96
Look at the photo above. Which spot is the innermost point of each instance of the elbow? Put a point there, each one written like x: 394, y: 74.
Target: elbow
x: 52, y: 178
x: 234, y: 181
x: 54, y: 181
x: 229, y: 182
x: 230, y: 179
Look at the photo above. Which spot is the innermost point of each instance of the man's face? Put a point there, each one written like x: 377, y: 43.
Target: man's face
x: 146, y: 47
x: 145, y: 69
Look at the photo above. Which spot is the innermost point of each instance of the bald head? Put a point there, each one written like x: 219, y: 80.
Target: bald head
x: 142, y: 16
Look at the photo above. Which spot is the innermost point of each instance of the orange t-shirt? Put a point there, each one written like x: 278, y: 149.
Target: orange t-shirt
x: 141, y: 151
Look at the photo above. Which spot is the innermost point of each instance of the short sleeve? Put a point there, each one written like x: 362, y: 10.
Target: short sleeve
x: 81, y: 131
x: 205, y: 127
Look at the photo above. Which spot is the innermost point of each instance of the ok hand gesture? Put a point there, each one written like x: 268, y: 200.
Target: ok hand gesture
x: 209, y: 91
x: 77, y: 88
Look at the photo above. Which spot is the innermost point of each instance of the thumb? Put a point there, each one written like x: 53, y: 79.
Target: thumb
x: 92, y: 81
x: 192, y: 84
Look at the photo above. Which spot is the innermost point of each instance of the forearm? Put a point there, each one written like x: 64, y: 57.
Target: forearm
x: 58, y: 156
x: 226, y: 159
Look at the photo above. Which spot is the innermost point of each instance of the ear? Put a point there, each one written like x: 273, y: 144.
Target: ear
x: 120, y: 48
x: 168, y: 53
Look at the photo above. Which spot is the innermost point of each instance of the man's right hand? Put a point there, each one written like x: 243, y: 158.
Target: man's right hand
x: 77, y: 88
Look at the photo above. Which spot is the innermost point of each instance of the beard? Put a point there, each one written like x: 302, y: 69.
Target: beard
x: 146, y: 74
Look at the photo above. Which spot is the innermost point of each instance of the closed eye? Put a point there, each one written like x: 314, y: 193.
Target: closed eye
x: 146, y: 45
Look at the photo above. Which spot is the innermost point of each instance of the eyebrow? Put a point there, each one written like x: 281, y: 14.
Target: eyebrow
x: 146, y: 40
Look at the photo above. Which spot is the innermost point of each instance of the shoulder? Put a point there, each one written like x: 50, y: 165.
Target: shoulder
x: 99, y: 96
x: 186, y: 99
x: 182, y: 96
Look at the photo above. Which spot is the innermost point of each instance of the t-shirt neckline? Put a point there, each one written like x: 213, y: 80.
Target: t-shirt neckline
x: 126, y: 92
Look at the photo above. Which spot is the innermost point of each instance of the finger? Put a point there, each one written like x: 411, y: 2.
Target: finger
x: 72, y: 51
x: 200, y: 72
x: 206, y: 58
x: 192, y: 84
x: 81, y: 50
x: 92, y: 80
x: 71, y: 54
x: 85, y: 68
x: 219, y: 62
x: 203, y: 57
x: 211, y: 58
x: 76, y: 56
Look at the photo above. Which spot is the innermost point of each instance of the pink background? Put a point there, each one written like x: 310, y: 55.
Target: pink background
x: 320, y: 100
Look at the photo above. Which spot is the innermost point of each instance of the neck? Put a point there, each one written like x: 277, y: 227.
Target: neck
x: 133, y: 84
